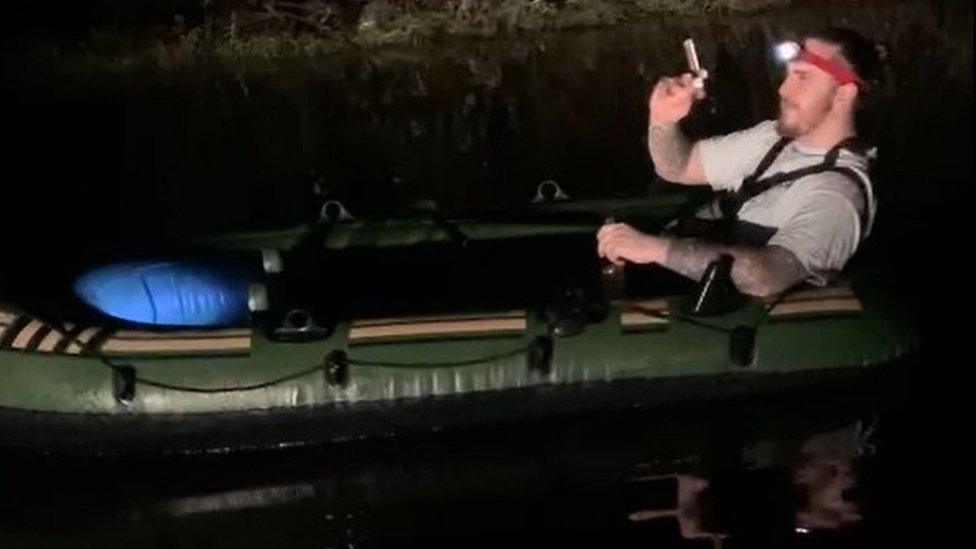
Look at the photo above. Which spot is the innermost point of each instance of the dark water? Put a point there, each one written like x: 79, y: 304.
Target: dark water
x: 771, y: 465
x: 99, y: 161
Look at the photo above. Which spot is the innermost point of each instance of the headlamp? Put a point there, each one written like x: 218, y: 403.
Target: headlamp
x: 786, y: 52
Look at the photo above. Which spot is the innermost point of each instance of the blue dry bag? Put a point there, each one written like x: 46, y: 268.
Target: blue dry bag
x: 170, y: 293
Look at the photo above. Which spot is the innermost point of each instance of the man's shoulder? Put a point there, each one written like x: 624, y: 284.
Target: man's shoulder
x: 726, y: 159
x: 859, y: 161
x: 765, y: 127
x: 753, y: 141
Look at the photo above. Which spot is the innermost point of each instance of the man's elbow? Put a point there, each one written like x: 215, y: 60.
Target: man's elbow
x: 767, y: 271
x: 759, y: 282
x: 761, y: 289
x: 664, y: 173
x: 686, y: 174
x: 671, y: 176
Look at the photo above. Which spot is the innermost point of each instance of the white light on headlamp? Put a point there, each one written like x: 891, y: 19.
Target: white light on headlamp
x: 786, y: 51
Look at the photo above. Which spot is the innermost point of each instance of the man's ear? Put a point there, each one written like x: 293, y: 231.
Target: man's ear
x: 846, y: 93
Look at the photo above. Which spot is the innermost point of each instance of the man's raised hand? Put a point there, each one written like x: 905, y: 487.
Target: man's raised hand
x: 671, y: 99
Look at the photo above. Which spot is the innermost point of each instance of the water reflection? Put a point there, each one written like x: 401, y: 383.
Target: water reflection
x: 813, y: 492
x: 826, y: 481
x: 781, y: 472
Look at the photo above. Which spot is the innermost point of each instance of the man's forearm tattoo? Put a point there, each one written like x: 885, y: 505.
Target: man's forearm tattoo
x: 755, y: 271
x: 670, y: 149
x: 690, y: 257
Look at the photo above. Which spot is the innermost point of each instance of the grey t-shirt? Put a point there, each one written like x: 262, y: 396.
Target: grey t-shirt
x: 816, y: 217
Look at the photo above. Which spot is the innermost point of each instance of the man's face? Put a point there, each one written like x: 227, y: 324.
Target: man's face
x: 807, y: 93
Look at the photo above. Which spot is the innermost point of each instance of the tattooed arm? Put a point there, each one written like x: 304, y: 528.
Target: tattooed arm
x: 675, y: 157
x: 759, y: 271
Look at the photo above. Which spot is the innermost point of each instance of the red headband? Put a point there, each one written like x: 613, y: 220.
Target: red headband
x: 833, y: 68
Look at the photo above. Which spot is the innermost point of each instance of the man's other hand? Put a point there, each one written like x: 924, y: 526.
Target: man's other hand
x: 619, y: 242
x: 671, y: 100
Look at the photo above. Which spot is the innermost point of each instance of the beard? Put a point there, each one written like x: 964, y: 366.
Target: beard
x: 784, y: 126
x: 793, y: 122
x: 786, y: 130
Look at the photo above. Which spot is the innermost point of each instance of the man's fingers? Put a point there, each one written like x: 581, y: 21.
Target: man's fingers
x: 612, y: 249
x: 614, y: 256
x: 670, y: 87
x: 608, y: 229
x: 603, y: 246
x: 614, y: 233
x: 657, y: 95
x: 683, y: 87
x: 612, y: 239
x: 664, y: 87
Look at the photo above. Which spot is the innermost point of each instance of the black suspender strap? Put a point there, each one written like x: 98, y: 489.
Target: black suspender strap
x: 753, y: 186
x: 853, y: 143
x: 769, y: 158
x: 731, y: 202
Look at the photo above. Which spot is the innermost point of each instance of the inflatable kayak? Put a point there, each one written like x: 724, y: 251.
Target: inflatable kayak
x: 388, y: 325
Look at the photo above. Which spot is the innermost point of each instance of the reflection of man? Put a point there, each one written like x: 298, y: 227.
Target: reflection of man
x: 765, y: 501
x: 825, y: 471
x: 689, y: 510
x: 744, y: 509
x: 824, y: 484
x: 798, y: 200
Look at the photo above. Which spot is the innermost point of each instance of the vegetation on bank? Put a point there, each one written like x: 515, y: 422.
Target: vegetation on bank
x: 263, y: 31
x: 385, y: 22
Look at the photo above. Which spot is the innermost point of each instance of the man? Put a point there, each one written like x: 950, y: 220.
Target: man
x: 797, y: 199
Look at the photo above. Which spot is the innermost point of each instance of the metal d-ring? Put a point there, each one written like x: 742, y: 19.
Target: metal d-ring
x: 333, y: 211
x: 549, y: 191
x: 298, y: 319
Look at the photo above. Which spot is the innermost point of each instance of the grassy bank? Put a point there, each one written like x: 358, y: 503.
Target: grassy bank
x: 255, y: 32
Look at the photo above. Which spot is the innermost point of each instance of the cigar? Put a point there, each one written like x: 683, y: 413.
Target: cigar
x: 695, y: 67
